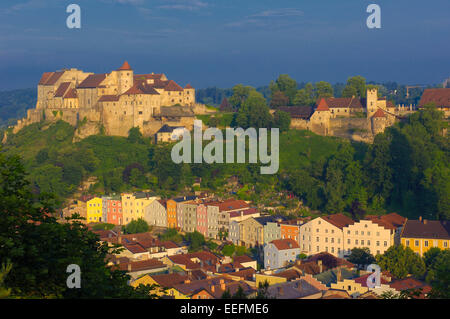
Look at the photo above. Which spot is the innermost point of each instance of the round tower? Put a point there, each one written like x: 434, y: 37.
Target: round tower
x: 125, y: 78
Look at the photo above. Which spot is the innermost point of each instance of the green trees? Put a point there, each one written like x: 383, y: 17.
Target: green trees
x: 356, y: 86
x: 196, y: 240
x: 135, y: 136
x: 136, y: 226
x: 40, y: 249
x: 284, y: 85
x: 361, y: 257
x: 282, y: 120
x: 254, y: 112
x: 240, y: 94
x: 323, y: 90
x: 228, y: 250
x: 401, y: 261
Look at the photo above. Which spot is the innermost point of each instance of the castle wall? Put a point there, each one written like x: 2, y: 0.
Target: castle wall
x: 299, y: 124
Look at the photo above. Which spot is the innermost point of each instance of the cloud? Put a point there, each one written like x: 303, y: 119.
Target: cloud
x: 273, y: 18
x: 189, y: 5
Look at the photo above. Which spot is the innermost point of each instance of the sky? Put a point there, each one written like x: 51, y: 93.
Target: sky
x: 225, y: 42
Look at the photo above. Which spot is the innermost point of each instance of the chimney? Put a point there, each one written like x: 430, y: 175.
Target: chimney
x: 420, y: 218
x: 119, y: 239
x: 213, y: 289
x: 319, y: 263
x: 298, y: 262
x: 222, y: 285
x: 217, y: 267
x: 339, y: 274
x: 424, y: 221
x: 187, y: 281
x: 129, y: 266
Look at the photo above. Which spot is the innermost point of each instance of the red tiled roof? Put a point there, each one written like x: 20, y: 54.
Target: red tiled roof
x: 125, y: 66
x: 92, y: 81
x: 230, y: 204
x: 440, y: 97
x: 428, y: 229
x: 45, y: 78
x: 141, y: 77
x: 54, y: 78
x: 343, y: 102
x: 172, y: 86
x: 363, y: 280
x: 323, y: 106
x: 142, y: 265
x: 71, y: 94
x: 188, y: 86
x: 283, y: 244
x: 169, y: 280
x: 141, y: 88
x: 410, y: 283
x: 379, y: 113
x: 338, y: 220
x: 290, y: 274
x: 242, y: 259
x: 109, y: 98
x: 62, y: 89
x: 389, y: 221
x: 246, y: 212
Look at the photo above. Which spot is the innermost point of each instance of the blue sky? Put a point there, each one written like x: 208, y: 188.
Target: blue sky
x: 225, y: 42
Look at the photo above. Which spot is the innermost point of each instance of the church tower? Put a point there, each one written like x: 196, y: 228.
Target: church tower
x: 371, y: 101
x: 125, y: 78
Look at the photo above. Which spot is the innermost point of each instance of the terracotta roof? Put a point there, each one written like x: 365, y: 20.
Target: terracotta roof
x: 54, y: 78
x: 92, y: 81
x: 63, y: 87
x: 290, y: 274
x: 134, y: 248
x: 245, y: 273
x: 169, y: 280
x: 142, y: 265
x: 338, y: 220
x: 230, y: 204
x: 245, y: 212
x: 71, y: 94
x: 310, y: 266
x: 188, y: 86
x: 172, y: 86
x: 109, y: 98
x: 283, y: 244
x: 363, y: 280
x: 45, y: 77
x: 379, y: 113
x: 169, y: 244
x: 389, y: 221
x: 301, y: 112
x: 243, y: 259
x: 343, y: 102
x: 292, y: 290
x: 440, y: 97
x: 125, y: 66
x: 323, y: 106
x: 431, y: 229
x: 411, y: 283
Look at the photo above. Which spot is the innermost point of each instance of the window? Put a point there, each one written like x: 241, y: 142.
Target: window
x: 426, y: 243
x: 416, y: 243
x: 445, y: 244
x: 368, y: 233
x: 368, y: 243
x: 362, y: 233
x: 317, y: 248
x: 356, y: 232
x: 317, y: 239
x: 356, y: 241
x: 362, y: 242
x: 348, y: 241
x: 378, y: 233
x: 407, y: 243
x: 378, y: 243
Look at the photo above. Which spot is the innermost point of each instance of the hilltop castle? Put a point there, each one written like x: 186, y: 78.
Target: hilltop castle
x: 112, y: 102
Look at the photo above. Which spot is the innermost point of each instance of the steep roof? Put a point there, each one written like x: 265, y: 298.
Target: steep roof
x: 142, y: 265
x: 389, y: 221
x: 432, y: 229
x: 54, y: 78
x: 92, y: 81
x: 323, y: 106
x: 169, y: 280
x: 125, y: 66
x: 344, y: 102
x: 379, y: 113
x: 109, y: 98
x: 284, y: 244
x: 301, y: 112
x: 440, y: 97
x: 71, y: 94
x: 141, y: 88
x: 242, y: 259
x: 411, y: 283
x: 45, y: 77
x: 63, y: 87
x: 338, y: 220
x: 188, y: 86
x: 166, y: 129
x: 173, y: 86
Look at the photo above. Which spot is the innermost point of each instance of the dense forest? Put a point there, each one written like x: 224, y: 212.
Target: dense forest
x: 14, y: 105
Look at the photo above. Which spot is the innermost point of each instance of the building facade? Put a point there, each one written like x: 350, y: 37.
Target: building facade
x: 280, y: 252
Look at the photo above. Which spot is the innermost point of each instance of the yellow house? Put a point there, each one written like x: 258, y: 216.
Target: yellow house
x: 163, y: 284
x: 421, y: 235
x: 94, y: 210
x: 133, y: 205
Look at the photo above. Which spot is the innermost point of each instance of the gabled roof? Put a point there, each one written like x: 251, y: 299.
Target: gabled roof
x: 53, y: 78
x: 301, y: 112
x: 62, y: 89
x: 125, y: 66
x: 142, y: 265
x: 45, y: 77
x: 338, y: 220
x: 379, y: 113
x: 141, y: 88
x: 389, y: 221
x: 188, y: 86
x: 323, y: 106
x: 243, y: 259
x: 71, y: 94
x: 284, y: 244
x: 230, y: 205
x: 431, y: 229
x: 92, y: 81
x: 172, y: 86
x: 169, y: 280
x: 343, y: 102
x: 440, y: 97
x: 109, y: 98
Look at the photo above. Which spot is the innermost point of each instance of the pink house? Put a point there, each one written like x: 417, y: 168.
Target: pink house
x: 202, y: 219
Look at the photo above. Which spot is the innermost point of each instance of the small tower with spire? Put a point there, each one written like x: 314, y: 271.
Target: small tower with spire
x: 125, y: 78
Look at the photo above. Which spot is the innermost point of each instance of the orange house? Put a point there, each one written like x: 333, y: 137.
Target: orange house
x: 290, y: 231
x: 171, y: 213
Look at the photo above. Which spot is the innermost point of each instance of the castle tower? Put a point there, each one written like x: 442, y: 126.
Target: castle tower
x: 371, y: 101
x: 125, y: 78
x: 378, y: 122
